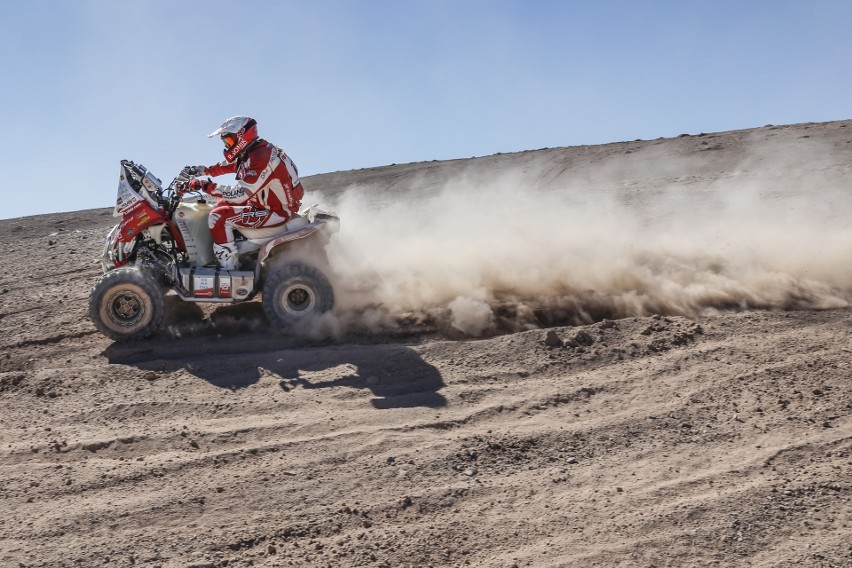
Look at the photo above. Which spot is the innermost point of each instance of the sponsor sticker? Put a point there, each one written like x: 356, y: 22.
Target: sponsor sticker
x: 204, y: 286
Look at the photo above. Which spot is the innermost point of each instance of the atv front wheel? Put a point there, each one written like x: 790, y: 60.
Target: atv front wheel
x: 127, y: 304
x: 295, y: 293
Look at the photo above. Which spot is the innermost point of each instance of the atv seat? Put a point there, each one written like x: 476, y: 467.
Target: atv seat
x: 256, y: 238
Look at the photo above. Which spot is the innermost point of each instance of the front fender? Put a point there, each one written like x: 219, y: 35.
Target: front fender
x: 110, y: 252
x: 116, y: 251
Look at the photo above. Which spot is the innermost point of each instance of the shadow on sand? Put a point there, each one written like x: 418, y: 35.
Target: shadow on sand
x: 233, y: 348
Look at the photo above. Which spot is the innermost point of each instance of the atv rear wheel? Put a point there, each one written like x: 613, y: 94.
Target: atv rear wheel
x: 294, y: 293
x: 127, y: 304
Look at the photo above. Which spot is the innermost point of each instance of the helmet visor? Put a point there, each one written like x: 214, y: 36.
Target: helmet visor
x: 229, y: 140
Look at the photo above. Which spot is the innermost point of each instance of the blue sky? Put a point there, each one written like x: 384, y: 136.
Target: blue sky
x: 343, y: 84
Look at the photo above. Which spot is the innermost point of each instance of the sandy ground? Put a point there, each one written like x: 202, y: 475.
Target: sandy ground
x: 716, y: 437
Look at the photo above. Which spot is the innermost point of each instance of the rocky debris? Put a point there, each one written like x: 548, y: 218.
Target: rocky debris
x: 552, y: 339
x: 668, y: 333
x: 580, y: 339
x: 10, y: 381
x: 615, y: 340
x: 46, y: 390
x: 96, y: 446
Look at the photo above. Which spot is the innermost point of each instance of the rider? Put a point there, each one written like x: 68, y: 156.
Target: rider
x: 267, y: 194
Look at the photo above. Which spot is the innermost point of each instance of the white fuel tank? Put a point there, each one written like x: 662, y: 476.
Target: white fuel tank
x: 191, y: 219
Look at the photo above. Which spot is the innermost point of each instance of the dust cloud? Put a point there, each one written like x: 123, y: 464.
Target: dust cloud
x: 493, y: 251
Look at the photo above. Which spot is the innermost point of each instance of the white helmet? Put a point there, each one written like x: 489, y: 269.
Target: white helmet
x: 237, y: 133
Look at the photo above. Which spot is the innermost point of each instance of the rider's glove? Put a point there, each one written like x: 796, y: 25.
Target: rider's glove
x: 204, y: 185
x: 191, y: 171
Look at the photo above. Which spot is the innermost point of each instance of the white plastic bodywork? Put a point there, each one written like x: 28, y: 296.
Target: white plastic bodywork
x: 127, y: 197
x: 299, y: 233
x: 309, y: 220
x: 191, y: 220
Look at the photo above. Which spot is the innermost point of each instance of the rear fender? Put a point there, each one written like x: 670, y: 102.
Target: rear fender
x: 299, y: 234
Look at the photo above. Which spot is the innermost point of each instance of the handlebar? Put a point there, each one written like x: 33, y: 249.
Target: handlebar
x: 180, y: 185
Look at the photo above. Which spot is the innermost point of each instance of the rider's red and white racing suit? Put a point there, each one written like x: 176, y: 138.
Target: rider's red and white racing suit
x: 267, y: 194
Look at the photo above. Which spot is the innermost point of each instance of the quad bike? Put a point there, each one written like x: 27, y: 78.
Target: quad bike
x: 163, y: 245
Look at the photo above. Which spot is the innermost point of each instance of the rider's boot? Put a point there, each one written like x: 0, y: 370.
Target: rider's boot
x: 226, y: 255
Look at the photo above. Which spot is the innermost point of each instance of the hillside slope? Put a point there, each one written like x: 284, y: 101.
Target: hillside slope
x: 696, y: 413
